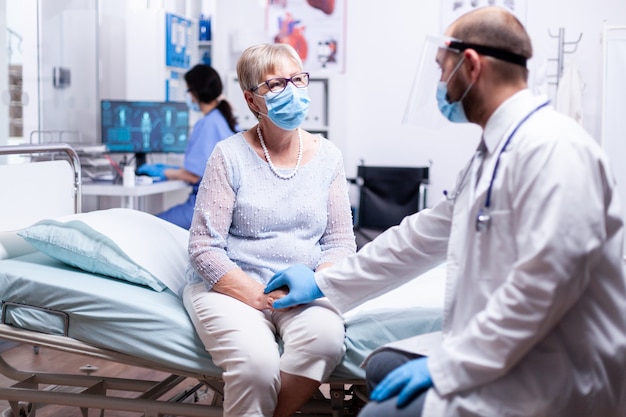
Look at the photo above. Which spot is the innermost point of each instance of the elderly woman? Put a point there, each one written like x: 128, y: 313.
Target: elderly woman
x: 271, y: 197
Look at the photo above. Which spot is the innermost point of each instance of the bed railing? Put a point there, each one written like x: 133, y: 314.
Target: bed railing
x: 72, y: 158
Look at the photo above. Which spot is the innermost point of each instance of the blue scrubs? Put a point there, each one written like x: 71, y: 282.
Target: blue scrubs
x: 205, y: 134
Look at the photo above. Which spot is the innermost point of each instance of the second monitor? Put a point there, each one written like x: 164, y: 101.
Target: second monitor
x: 143, y: 127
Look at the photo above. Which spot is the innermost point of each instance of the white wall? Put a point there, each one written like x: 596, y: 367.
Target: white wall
x: 4, y: 81
x: 383, y: 44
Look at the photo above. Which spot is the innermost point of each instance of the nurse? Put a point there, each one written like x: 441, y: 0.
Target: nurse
x: 535, y: 308
x: 204, y: 90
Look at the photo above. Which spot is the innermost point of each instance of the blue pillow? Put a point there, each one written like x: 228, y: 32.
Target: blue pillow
x: 121, y: 243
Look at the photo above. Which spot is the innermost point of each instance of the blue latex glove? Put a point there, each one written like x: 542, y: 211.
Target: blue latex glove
x: 154, y: 170
x: 300, y: 280
x: 409, y: 380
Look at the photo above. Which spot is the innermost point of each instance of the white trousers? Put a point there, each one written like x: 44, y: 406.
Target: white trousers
x: 243, y: 342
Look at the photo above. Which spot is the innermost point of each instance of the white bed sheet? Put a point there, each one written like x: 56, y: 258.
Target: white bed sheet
x: 424, y: 291
x: 137, y: 321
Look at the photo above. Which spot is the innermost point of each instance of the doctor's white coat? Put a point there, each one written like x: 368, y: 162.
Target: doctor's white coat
x: 535, y: 309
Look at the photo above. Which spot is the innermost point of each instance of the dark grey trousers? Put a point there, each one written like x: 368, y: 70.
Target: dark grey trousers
x: 378, y: 366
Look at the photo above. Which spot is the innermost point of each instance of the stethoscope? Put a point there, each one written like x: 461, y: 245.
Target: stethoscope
x: 483, y: 218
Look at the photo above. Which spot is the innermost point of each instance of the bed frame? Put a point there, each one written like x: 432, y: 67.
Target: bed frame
x: 34, y: 389
x: 93, y: 391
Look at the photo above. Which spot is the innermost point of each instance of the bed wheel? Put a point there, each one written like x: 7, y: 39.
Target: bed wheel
x: 360, y: 394
x: 24, y: 409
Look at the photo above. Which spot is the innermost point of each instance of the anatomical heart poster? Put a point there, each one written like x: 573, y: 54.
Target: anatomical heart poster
x: 315, y: 28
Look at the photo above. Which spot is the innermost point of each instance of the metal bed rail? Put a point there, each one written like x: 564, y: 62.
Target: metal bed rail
x: 72, y: 158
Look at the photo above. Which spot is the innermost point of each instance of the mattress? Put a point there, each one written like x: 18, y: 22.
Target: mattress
x: 41, y: 294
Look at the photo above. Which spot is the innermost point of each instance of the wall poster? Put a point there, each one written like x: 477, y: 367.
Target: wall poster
x: 452, y: 9
x: 315, y: 28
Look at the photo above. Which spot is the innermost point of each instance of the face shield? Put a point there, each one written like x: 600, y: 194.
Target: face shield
x: 421, y: 109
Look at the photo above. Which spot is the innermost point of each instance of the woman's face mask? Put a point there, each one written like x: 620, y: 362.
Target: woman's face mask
x: 288, y: 108
x: 452, y: 111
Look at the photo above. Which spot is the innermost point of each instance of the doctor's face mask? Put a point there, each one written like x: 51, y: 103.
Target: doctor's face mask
x: 453, y: 111
x: 427, y: 103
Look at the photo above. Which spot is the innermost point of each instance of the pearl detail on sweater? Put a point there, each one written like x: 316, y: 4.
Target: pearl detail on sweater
x: 269, y: 161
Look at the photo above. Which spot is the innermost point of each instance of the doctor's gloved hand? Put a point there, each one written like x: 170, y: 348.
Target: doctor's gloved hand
x: 155, y: 170
x: 300, y: 280
x: 407, y: 380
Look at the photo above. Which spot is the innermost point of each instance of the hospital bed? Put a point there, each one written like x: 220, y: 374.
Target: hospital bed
x: 46, y: 302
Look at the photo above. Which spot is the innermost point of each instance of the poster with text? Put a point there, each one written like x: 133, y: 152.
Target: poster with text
x: 452, y: 9
x: 315, y: 28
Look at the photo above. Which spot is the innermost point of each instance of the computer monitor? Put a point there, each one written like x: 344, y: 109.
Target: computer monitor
x: 144, y: 127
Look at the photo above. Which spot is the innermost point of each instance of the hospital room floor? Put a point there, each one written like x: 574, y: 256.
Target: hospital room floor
x: 23, y: 357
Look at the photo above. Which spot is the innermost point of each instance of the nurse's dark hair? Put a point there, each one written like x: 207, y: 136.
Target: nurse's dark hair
x: 497, y: 28
x: 205, y: 83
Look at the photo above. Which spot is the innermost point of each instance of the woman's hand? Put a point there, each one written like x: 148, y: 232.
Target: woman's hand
x: 275, y: 295
x: 241, y: 286
x: 300, y: 281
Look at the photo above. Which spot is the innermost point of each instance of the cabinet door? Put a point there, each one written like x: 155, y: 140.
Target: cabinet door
x: 614, y: 86
x: 19, y: 67
x: 68, y: 72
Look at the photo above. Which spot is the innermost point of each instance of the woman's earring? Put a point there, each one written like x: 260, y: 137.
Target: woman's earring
x: 258, y: 116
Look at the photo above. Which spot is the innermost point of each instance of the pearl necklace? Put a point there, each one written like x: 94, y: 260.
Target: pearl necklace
x: 269, y: 161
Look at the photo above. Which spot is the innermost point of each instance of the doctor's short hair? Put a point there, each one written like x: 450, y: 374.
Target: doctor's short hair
x: 257, y: 61
x: 497, y: 28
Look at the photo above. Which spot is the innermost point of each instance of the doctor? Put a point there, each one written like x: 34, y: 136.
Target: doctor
x: 535, y: 310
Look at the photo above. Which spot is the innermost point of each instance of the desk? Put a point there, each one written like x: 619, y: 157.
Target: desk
x: 132, y: 195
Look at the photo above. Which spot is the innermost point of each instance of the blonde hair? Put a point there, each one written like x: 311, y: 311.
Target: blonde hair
x: 257, y: 61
